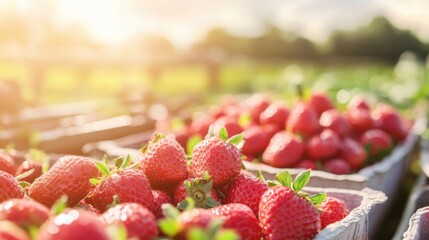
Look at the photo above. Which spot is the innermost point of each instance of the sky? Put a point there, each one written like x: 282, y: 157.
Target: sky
x: 186, y: 21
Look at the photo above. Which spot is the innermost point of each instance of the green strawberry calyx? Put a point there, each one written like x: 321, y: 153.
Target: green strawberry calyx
x: 199, y: 190
x: 120, y: 163
x: 236, y: 140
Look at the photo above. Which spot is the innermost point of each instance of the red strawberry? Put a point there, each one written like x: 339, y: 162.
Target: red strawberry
x: 88, y: 207
x: 217, y: 156
x: 285, y: 214
x: 320, y: 102
x: 70, y: 175
x: 159, y: 198
x: 337, y: 166
x: 200, y: 190
x: 240, y: 218
x: 7, y: 163
x: 332, y: 119
x: 73, y: 224
x: 198, y: 217
x: 284, y: 150
x: 10, y: 231
x: 255, y: 105
x: 28, y: 166
x: 353, y: 153
x: 24, y: 212
x: 201, y: 125
x: 333, y: 210
x: 377, y: 141
x: 138, y: 220
x: 129, y: 185
x: 307, y: 164
x: 9, y: 187
x: 303, y: 119
x: 164, y: 162
x: 358, y: 102
x: 388, y: 119
x: 229, y: 123
x: 360, y: 119
x: 276, y: 114
x: 256, y: 140
x: 324, y: 145
x: 246, y: 190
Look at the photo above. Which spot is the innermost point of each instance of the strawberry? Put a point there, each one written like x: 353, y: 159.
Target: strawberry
x: 255, y: 105
x: 159, y: 198
x: 69, y: 176
x: 256, y: 139
x: 357, y: 102
x: 246, y: 190
x: 332, y: 119
x: 276, y: 114
x: 377, y: 141
x: 229, y: 123
x: 303, y: 119
x: 388, y: 119
x: 337, y: 166
x: 10, y: 231
x: 240, y: 218
x: 7, y: 163
x: 320, y: 102
x: 24, y: 212
x: 217, y: 156
x: 360, y: 119
x: 73, y: 224
x: 88, y: 207
x: 284, y: 150
x: 198, y: 217
x: 324, y: 145
x: 286, y: 213
x: 28, y: 166
x: 200, y: 125
x: 164, y: 162
x: 138, y: 220
x: 307, y: 164
x: 9, y: 187
x: 332, y: 210
x: 128, y: 184
x: 200, y: 190
x: 353, y: 153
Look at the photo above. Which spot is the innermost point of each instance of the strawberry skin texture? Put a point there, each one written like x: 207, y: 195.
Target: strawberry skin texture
x: 221, y: 160
x: 333, y: 210
x: 7, y: 164
x: 256, y: 139
x: 332, y: 119
x: 70, y: 175
x: 130, y: 185
x: 27, y: 166
x: 285, y: 215
x: 73, y: 224
x: 276, y: 114
x: 324, y: 145
x: 164, y: 163
x: 240, y: 218
x: 284, y: 150
x: 246, y: 190
x: 159, y: 198
x: 303, y: 119
x: 9, y: 187
x: 24, y: 212
x: 138, y: 220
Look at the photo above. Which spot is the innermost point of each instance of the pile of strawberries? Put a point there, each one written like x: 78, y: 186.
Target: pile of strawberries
x: 163, y: 195
x: 313, y: 134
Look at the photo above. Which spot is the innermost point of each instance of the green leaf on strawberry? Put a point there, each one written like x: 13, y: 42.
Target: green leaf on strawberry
x: 301, y: 180
x: 285, y: 179
x: 103, y: 168
x: 223, y: 134
x: 316, y: 199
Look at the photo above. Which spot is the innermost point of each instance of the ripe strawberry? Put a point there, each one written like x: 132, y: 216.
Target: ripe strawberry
x: 256, y: 140
x: 337, y: 166
x: 229, y: 123
x: 324, y: 145
x: 303, y: 119
x: 217, y: 156
x: 333, y: 210
x: 353, y: 153
x: 285, y: 214
x: 240, y: 218
x: 200, y: 190
x: 377, y: 141
x: 320, y: 102
x: 9, y: 187
x: 73, y: 224
x: 28, y: 166
x: 360, y: 119
x: 200, y: 125
x: 24, y: 212
x: 246, y: 190
x: 255, y: 105
x: 129, y: 185
x: 164, y: 162
x: 388, y: 119
x: 276, y: 114
x: 358, y: 102
x: 284, y: 150
x: 7, y: 163
x: 159, y: 198
x: 198, y: 217
x: 138, y: 220
x: 10, y: 231
x: 332, y: 119
x: 69, y: 176
x: 307, y: 164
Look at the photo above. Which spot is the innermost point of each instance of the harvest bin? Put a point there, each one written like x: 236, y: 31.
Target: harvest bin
x: 418, y: 227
